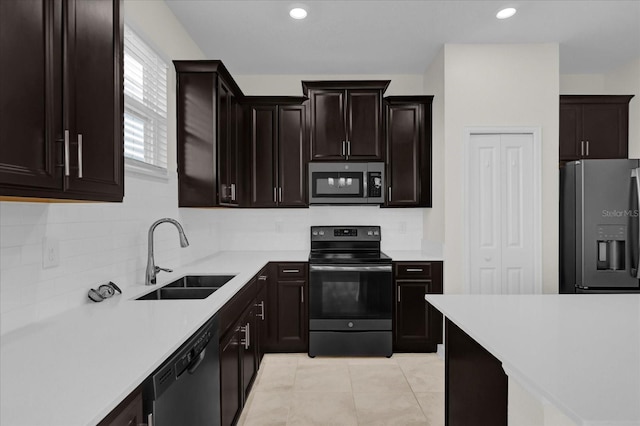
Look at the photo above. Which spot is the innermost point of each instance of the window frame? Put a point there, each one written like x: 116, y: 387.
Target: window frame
x: 133, y: 166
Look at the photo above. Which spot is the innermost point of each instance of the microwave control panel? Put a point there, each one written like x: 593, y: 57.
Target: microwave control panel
x: 374, y: 184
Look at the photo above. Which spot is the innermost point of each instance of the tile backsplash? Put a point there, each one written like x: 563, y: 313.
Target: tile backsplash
x: 101, y: 242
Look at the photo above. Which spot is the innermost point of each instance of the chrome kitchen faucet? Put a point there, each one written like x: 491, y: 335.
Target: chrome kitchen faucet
x: 152, y: 269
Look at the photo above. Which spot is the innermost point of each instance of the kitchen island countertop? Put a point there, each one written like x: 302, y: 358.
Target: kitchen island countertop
x: 581, y: 353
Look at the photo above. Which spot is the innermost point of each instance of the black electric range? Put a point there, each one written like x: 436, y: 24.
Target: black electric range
x: 350, y: 292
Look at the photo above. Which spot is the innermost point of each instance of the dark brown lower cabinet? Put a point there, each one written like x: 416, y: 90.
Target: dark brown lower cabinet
x: 476, y: 387
x: 417, y: 325
x: 230, y: 395
x: 287, y: 300
x: 263, y: 313
x: 128, y: 412
x: 239, y: 359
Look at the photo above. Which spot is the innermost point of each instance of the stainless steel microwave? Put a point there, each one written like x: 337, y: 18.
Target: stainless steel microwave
x: 346, y: 183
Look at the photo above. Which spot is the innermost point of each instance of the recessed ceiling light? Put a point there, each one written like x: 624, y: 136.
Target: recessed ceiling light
x: 298, y: 13
x: 506, y: 13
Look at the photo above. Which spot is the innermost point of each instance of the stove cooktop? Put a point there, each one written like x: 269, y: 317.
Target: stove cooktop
x: 348, y: 257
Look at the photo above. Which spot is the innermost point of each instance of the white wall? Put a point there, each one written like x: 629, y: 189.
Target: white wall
x: 434, y: 85
x: 500, y: 85
x: 622, y: 81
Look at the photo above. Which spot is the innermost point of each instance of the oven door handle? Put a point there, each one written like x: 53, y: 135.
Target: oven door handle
x: 351, y: 268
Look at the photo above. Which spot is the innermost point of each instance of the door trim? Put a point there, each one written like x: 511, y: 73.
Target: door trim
x: 536, y: 132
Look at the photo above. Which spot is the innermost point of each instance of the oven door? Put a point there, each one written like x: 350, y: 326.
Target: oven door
x: 350, y: 297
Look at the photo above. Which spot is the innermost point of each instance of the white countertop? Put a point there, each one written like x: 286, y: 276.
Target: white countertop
x: 414, y: 255
x: 73, y: 369
x: 580, y: 353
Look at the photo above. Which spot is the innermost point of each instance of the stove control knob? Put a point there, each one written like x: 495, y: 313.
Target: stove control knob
x: 376, y: 233
x: 321, y: 232
x: 350, y: 324
x: 315, y: 232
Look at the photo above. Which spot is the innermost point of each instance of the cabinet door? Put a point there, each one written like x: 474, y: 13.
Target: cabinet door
x: 292, y: 155
x: 30, y: 94
x: 570, y: 132
x: 404, y: 138
x: 196, y: 153
x: 605, y: 130
x: 230, y: 370
x: 364, y: 125
x: 262, y: 316
x: 249, y: 349
x: 264, y: 137
x: 328, y: 132
x: 292, y: 324
x: 93, y: 99
x: 224, y: 138
x: 413, y: 328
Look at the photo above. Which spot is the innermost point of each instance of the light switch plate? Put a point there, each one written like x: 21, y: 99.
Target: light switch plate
x: 50, y: 252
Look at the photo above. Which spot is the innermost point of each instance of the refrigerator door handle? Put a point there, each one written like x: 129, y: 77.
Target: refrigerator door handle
x: 635, y: 239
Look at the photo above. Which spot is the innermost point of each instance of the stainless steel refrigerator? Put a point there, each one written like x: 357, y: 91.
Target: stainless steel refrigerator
x: 599, y: 231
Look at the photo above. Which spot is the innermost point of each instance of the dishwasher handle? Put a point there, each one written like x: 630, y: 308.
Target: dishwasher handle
x: 196, y: 362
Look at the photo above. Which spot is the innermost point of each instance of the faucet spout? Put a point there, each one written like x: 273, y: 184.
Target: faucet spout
x: 152, y: 269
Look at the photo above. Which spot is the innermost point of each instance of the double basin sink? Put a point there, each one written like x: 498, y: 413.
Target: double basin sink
x: 189, y: 287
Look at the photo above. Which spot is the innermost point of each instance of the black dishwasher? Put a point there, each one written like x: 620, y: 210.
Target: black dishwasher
x: 185, y: 389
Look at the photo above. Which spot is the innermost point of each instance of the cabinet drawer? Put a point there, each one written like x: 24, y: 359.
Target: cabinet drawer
x: 413, y: 269
x: 292, y: 271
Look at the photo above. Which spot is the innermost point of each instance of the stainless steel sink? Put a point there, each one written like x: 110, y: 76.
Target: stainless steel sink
x: 198, y: 281
x: 189, y: 287
x: 178, y: 293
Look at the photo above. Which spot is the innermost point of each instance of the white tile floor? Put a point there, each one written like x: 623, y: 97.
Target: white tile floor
x: 293, y: 389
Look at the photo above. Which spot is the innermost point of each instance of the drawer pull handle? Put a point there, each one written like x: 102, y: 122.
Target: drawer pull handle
x: 262, y: 278
x: 414, y: 270
x: 80, y: 155
x: 290, y: 271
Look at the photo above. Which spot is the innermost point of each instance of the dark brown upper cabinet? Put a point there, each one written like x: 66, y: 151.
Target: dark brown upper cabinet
x: 594, y: 126
x: 408, y: 141
x: 278, y: 151
x: 209, y: 136
x: 346, y: 119
x: 61, y: 109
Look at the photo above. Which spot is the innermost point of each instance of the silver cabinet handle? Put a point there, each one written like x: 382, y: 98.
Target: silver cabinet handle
x: 301, y: 294
x: 80, y: 155
x: 343, y: 149
x: 398, y: 293
x: 587, y: 148
x: 275, y: 196
x: 233, y: 192
x: 245, y: 341
x: 389, y: 194
x: 262, y: 278
x: 279, y: 194
x: 414, y: 269
x: 290, y: 271
x: 348, y: 148
x: 66, y: 153
x: 582, y: 148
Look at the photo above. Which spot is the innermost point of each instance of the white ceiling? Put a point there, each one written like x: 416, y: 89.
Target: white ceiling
x: 403, y: 37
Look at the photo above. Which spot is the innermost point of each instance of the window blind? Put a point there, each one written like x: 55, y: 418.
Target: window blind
x: 145, y: 102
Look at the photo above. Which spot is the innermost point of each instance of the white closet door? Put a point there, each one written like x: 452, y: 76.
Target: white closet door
x: 500, y: 206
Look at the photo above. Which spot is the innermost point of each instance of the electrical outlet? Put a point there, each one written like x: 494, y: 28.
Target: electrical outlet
x: 50, y: 252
